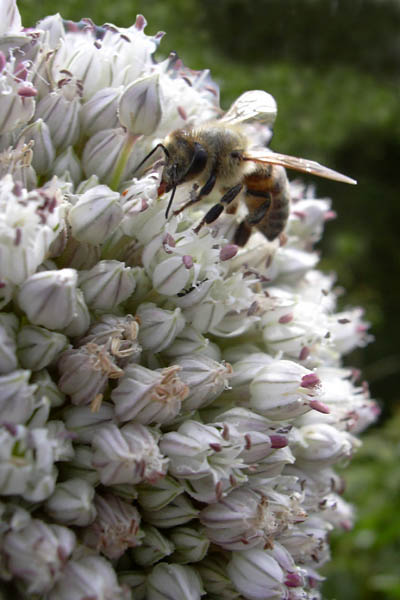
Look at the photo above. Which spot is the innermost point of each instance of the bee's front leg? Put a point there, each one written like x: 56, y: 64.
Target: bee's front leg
x: 204, y: 191
x: 214, y: 212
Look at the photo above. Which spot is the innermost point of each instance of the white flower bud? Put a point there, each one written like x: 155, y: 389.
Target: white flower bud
x: 205, y: 378
x: 60, y: 111
x: 173, y: 581
x: 102, y: 152
x: 115, y: 528
x: 85, y: 372
x: 136, y: 583
x: 157, y: 495
x: 100, y: 112
x: 84, y: 422
x: 90, y: 577
x: 154, y: 547
x: 179, y: 511
x: 43, y: 149
x: 191, y: 544
x: 323, y: 444
x: 8, y: 329
x: 80, y: 466
x: 72, y: 503
x: 38, y: 347
x: 257, y: 575
x: 37, y: 553
x: 67, y: 166
x: 107, y: 284
x: 188, y: 341
x: 17, y: 398
x: 147, y: 396
x: 79, y: 255
x: 80, y: 322
x: 158, y: 327
x: 49, y: 298
x: 284, y: 390
x: 139, y: 109
x: 96, y: 214
x: 127, y: 455
x: 47, y: 388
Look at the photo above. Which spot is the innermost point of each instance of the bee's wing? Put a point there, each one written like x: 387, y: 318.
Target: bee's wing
x: 255, y: 105
x: 298, y: 164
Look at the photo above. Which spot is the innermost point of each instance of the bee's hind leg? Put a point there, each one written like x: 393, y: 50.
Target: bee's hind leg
x: 214, y: 212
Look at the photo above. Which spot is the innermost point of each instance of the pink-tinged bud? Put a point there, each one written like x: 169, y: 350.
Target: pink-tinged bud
x: 228, y: 251
x: 3, y: 61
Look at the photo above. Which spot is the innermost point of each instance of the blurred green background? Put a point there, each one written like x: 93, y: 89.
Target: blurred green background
x: 334, y: 69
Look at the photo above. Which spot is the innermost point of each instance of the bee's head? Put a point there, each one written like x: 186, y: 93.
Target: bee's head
x: 185, y: 158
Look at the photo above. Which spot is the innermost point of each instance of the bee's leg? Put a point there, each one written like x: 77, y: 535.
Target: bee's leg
x: 259, y: 213
x: 243, y: 232
x: 214, y: 212
x: 204, y: 191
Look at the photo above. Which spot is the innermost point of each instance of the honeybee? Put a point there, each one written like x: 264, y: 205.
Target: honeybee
x: 220, y: 155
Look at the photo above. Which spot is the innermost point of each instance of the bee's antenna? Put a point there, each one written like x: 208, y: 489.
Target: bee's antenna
x: 170, y: 201
x: 152, y: 152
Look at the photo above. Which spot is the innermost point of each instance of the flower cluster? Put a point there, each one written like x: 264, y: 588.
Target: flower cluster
x: 172, y: 407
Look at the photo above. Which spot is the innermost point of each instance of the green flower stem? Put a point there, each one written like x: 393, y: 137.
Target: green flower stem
x: 123, y: 159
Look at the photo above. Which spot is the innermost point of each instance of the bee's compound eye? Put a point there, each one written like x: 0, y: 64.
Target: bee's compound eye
x: 199, y: 160
x: 236, y: 155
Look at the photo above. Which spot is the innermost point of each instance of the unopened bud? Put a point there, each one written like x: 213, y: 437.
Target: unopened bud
x: 140, y: 106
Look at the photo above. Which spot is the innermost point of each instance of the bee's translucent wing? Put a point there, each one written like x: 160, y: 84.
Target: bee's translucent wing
x: 298, y: 164
x: 255, y: 105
